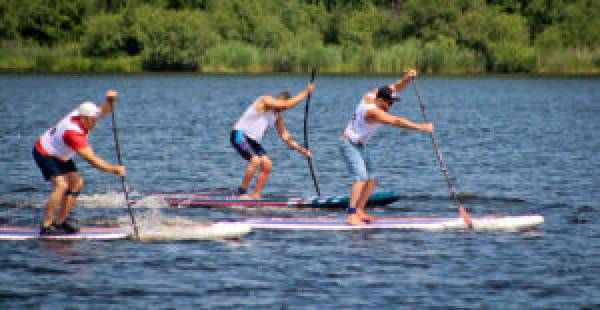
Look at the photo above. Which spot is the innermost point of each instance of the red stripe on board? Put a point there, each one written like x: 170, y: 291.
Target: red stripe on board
x: 231, y: 204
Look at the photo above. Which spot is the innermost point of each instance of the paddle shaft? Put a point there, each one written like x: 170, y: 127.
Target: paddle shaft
x: 310, y: 165
x: 443, y: 167
x: 123, y: 181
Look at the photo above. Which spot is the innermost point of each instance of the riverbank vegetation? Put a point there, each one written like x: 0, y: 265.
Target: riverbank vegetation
x: 353, y: 36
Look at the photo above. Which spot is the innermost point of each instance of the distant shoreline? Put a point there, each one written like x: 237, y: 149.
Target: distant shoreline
x: 592, y: 73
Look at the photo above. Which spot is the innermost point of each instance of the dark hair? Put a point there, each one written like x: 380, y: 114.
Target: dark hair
x: 283, y: 95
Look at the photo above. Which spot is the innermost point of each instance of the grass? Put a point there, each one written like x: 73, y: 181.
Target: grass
x: 239, y: 57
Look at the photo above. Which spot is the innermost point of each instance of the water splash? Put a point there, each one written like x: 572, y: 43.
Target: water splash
x: 153, y: 225
x: 117, y: 200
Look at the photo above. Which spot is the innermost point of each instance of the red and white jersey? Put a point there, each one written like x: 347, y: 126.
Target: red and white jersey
x: 358, y: 130
x: 63, y: 139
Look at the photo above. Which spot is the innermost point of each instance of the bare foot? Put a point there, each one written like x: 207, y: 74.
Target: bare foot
x: 367, y: 218
x: 256, y: 196
x: 354, y: 219
x: 244, y: 197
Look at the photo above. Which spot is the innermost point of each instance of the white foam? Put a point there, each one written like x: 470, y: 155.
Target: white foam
x: 153, y: 225
x: 117, y: 200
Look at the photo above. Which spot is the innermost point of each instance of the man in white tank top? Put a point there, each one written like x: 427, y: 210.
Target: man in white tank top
x: 248, y: 132
x: 53, y: 153
x: 371, y: 113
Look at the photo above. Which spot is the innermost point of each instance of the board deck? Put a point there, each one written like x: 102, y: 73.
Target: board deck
x: 95, y: 233
x: 218, y: 230
x: 226, y: 199
x: 488, y: 223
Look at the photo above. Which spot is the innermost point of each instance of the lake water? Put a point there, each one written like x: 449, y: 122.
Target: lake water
x: 513, y: 145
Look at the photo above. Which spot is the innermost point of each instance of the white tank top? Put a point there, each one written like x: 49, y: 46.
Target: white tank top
x: 358, y: 130
x: 52, y: 140
x: 255, y: 124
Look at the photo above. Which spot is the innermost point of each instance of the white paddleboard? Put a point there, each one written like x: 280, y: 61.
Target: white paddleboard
x: 219, y: 230
x: 95, y: 233
x: 488, y: 223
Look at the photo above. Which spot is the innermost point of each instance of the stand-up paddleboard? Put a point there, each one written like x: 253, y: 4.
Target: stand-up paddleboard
x: 219, y: 230
x: 225, y: 198
x: 96, y: 233
x: 488, y: 223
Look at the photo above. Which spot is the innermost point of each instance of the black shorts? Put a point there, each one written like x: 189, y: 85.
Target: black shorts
x: 246, y: 146
x: 52, y: 167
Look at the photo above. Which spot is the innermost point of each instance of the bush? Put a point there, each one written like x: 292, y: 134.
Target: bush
x: 398, y: 58
x: 445, y: 56
x: 283, y: 59
x: 569, y: 60
x: 326, y: 58
x: 232, y: 55
x: 106, y: 35
x: 173, y: 40
x: 358, y: 59
x: 510, y: 57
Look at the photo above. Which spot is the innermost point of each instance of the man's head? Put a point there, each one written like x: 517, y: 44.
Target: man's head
x: 88, y: 114
x: 386, y: 96
x: 283, y: 95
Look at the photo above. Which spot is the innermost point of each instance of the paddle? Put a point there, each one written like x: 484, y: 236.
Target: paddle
x: 461, y: 210
x: 120, y: 160
x: 310, y: 165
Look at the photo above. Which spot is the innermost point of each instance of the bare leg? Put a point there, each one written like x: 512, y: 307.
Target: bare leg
x: 355, y: 193
x: 75, y: 184
x: 253, y: 164
x: 263, y: 175
x: 364, y: 198
x: 55, y: 200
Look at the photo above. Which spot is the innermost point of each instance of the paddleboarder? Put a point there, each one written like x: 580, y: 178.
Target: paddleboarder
x: 53, y: 153
x: 248, y: 132
x: 370, y: 114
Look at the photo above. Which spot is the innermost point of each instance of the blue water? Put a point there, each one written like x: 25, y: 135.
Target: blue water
x: 513, y: 146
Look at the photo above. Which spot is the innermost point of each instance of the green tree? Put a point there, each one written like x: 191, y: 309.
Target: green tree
x: 173, y: 40
x: 487, y: 29
x: 50, y: 21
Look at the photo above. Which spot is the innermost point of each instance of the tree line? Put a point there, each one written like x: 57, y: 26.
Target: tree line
x: 371, y: 36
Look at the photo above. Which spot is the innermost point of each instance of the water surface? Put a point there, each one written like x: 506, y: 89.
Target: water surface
x: 514, y: 145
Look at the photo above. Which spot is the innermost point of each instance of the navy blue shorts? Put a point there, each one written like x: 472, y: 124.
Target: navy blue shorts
x: 52, y: 167
x: 246, y: 146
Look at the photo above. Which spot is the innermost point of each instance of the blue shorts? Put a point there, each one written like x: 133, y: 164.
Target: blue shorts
x: 52, y: 167
x: 358, y: 160
x: 245, y: 146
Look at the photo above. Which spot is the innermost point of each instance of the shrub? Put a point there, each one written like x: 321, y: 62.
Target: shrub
x: 326, y: 58
x: 105, y: 35
x: 398, y: 58
x: 510, y: 57
x: 232, y: 55
x: 173, y: 40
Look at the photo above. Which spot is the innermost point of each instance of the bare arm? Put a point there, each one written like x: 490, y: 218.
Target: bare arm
x: 401, y: 84
x: 111, y: 96
x: 287, y: 138
x: 284, y: 104
x: 380, y: 116
x: 88, y: 154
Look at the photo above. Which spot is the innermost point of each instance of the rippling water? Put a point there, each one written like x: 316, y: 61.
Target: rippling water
x: 513, y: 145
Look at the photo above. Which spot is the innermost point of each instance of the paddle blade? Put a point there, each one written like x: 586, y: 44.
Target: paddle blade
x: 465, y: 217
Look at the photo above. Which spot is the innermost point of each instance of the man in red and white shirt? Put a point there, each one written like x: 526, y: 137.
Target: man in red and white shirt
x: 53, y: 153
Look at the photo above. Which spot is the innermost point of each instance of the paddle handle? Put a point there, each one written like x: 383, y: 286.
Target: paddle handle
x: 306, y: 108
x: 123, y: 180
x: 443, y: 168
